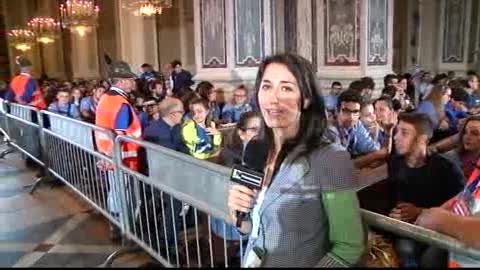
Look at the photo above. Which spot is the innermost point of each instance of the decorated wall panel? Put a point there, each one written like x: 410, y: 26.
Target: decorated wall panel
x: 377, y: 32
x: 454, y: 15
x: 212, y: 20
x: 249, y: 33
x: 342, y: 28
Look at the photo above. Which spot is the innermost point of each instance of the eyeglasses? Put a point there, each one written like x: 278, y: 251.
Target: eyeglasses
x: 239, y: 95
x: 347, y: 111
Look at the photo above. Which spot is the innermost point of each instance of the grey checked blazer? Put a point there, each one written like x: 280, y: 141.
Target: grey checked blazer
x: 293, y: 220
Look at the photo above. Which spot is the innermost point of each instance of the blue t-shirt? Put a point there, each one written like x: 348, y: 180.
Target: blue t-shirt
x: 427, y: 108
x: 68, y: 110
x: 232, y: 113
x: 87, y: 104
x: 454, y: 116
x: 331, y: 102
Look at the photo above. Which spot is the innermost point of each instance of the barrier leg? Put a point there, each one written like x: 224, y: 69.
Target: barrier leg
x: 6, y: 152
x: 37, y: 182
x: 119, y: 253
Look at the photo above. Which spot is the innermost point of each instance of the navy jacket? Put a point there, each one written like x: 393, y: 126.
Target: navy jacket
x: 182, y: 79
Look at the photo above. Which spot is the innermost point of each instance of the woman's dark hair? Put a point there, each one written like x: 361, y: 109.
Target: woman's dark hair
x: 461, y: 148
x: 313, y: 119
x: 204, y: 89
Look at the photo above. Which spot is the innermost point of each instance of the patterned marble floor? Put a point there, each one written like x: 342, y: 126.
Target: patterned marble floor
x: 52, y: 227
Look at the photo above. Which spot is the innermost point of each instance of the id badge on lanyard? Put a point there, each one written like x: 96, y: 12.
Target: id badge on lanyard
x: 254, y: 258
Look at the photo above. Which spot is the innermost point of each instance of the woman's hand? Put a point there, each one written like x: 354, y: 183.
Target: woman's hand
x: 241, y: 199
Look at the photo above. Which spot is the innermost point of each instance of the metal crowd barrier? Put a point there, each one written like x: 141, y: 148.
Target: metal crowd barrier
x: 23, y: 130
x: 420, y: 234
x: 178, y: 213
x: 73, y: 159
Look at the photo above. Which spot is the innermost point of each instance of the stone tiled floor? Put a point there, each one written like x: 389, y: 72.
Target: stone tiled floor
x: 52, y: 227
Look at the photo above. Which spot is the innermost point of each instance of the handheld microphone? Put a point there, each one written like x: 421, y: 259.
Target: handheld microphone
x: 251, y: 174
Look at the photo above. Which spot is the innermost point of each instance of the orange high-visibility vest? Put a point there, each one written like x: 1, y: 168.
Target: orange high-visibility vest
x: 107, y: 110
x: 19, y: 87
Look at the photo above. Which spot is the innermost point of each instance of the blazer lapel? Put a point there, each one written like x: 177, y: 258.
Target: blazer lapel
x: 287, y: 177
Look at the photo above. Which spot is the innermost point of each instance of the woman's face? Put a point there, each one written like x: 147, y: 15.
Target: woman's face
x: 251, y: 130
x: 471, y: 137
x: 199, y: 113
x: 279, y: 97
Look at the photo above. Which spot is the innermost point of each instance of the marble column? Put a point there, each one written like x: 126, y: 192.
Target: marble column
x: 85, y: 56
x: 52, y: 57
x: 137, y: 38
x: 231, y: 39
x: 355, y: 39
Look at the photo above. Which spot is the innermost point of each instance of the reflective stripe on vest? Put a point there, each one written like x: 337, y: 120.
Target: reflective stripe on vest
x: 129, y: 154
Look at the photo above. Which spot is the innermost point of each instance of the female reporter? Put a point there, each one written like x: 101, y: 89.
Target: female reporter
x: 307, y: 213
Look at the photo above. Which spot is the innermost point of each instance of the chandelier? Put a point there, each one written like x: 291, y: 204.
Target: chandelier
x: 148, y: 8
x: 45, y: 29
x: 80, y: 16
x: 21, y: 39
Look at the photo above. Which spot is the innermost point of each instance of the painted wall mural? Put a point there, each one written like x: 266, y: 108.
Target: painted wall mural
x: 342, y: 26
x: 453, y: 31
x: 377, y: 32
x: 212, y: 25
x: 249, y: 37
